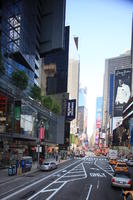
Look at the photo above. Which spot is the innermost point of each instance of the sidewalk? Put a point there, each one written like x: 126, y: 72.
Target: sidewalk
x: 4, y: 177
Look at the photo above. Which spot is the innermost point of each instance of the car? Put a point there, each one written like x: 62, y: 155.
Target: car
x: 112, y: 162
x: 46, y: 166
x: 125, y: 160
x: 121, y: 179
x: 130, y: 162
x: 121, y: 166
x: 127, y: 195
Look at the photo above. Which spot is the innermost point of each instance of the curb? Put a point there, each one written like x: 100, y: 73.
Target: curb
x: 9, y: 178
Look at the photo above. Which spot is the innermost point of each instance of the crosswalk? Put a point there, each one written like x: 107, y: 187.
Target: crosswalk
x: 101, y: 163
x: 94, y: 158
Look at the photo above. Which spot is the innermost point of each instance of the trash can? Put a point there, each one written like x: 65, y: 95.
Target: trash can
x: 12, y: 170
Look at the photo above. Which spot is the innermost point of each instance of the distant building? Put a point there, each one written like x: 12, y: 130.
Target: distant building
x: 99, y: 107
x: 117, y: 68
x: 61, y: 74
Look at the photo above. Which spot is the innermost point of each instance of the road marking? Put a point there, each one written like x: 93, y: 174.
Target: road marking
x: 94, y: 169
x: 102, y: 169
x: 40, y: 180
x: 111, y: 168
x: 89, y: 192
x: 64, y: 171
x: 74, y: 175
x: 98, y: 184
x: 56, y: 181
x: 55, y: 191
x: 98, y: 175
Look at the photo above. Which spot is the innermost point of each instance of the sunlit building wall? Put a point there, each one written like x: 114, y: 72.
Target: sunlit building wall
x: 82, y: 111
x: 73, y: 79
x: 112, y: 64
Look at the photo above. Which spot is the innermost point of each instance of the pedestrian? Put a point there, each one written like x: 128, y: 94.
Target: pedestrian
x: 56, y: 157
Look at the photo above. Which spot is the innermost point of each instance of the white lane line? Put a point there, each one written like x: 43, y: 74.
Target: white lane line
x: 102, y: 169
x: 74, y: 175
x: 40, y: 180
x: 111, y: 168
x: 50, y: 190
x: 55, y: 191
x: 89, y: 192
x: 56, y: 181
x: 76, y: 171
x: 98, y: 184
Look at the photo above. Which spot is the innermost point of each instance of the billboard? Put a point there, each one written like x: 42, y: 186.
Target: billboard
x: 117, y: 121
x: 99, y: 105
x: 122, y: 90
x: 70, y: 109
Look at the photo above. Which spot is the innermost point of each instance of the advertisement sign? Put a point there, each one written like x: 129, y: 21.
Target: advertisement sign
x: 70, y: 109
x: 42, y: 133
x: 122, y: 91
x: 131, y: 131
x: 99, y: 105
x: 117, y: 121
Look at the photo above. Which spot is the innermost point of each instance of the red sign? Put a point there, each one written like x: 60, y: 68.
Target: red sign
x: 42, y: 131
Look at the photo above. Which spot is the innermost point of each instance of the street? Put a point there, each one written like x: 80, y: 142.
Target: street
x: 88, y: 178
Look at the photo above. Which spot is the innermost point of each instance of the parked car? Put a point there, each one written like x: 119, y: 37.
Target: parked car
x: 121, y: 179
x: 46, y: 166
x: 127, y: 195
x: 121, y: 166
x: 130, y: 162
x: 112, y: 162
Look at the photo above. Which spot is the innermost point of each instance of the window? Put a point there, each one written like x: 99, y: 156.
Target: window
x: 14, y: 32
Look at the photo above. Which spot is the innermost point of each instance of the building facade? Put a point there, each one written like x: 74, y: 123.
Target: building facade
x: 62, y: 80
x: 26, y: 35
x: 116, y: 69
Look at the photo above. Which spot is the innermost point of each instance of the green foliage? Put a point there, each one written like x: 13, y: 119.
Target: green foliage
x: 36, y: 92
x: 2, y: 68
x: 20, y: 79
x: 50, y: 104
x: 47, y: 102
x: 56, y: 108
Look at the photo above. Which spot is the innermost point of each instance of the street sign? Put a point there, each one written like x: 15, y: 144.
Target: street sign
x: 38, y: 148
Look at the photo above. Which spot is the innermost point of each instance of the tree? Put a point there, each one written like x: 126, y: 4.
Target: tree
x: 56, y: 108
x: 20, y: 79
x: 36, y: 92
x: 47, y: 102
x: 2, y: 68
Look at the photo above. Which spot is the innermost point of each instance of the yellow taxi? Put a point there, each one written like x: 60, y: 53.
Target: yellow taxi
x: 112, y: 162
x: 127, y: 195
x: 121, y: 166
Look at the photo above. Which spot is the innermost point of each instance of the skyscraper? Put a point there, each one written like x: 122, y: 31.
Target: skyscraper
x: 26, y: 36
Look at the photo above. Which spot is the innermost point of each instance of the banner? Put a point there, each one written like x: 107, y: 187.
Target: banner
x: 42, y: 130
x: 70, y: 109
x: 122, y: 90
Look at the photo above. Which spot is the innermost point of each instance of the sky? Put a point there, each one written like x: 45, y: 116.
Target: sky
x: 104, y: 31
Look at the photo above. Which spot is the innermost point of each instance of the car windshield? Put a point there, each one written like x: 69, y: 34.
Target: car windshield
x: 122, y: 175
x: 121, y: 165
x: 45, y: 163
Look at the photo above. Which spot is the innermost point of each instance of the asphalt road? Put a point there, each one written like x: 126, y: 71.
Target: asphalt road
x: 82, y: 179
